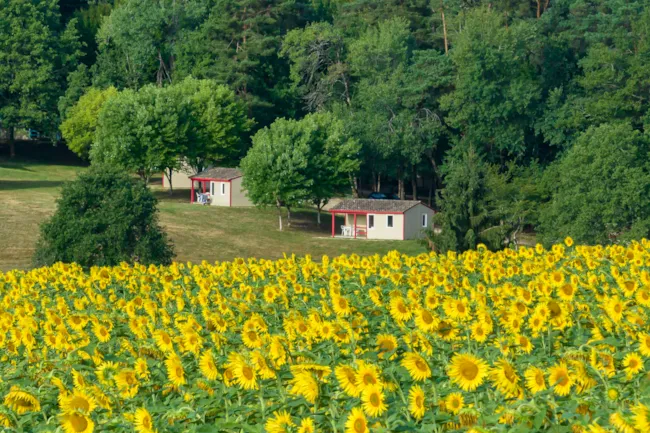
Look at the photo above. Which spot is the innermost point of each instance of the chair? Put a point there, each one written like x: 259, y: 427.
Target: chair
x: 345, y: 231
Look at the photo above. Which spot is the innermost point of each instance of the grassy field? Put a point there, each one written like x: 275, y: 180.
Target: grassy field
x: 28, y: 191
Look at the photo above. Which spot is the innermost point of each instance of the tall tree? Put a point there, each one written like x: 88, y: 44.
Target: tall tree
x: 237, y: 43
x: 36, y: 53
x: 496, y: 92
x: 80, y: 124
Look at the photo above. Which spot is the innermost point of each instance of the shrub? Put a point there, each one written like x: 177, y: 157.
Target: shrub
x: 103, y: 218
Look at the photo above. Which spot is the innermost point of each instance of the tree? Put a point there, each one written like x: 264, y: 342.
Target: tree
x: 36, y: 53
x: 276, y: 167
x: 465, y: 219
x: 104, y: 218
x: 80, y: 124
x: 598, y: 192
x: 333, y: 158
x: 496, y: 92
x: 218, y: 123
x: 158, y: 128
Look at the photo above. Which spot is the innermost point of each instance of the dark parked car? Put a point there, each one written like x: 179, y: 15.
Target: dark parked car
x: 382, y: 196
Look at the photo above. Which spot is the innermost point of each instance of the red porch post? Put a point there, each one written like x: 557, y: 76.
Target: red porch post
x: 355, y: 226
x: 333, y: 223
x: 192, y: 196
x: 203, y: 183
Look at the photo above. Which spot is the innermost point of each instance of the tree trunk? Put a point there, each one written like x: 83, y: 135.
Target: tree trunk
x: 12, y: 142
x: 546, y: 5
x: 539, y: 8
x: 432, y: 185
x: 168, y: 174
x: 378, y: 182
x: 444, y: 26
x: 279, y: 206
x: 288, y: 216
x: 354, y: 184
x: 400, y: 184
x: 414, y: 181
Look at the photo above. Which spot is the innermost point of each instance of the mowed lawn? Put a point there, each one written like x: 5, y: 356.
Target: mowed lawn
x: 28, y: 191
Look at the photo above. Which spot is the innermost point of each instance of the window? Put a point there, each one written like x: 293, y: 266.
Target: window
x: 371, y: 221
x: 211, y: 188
x: 223, y: 188
x: 389, y: 221
x: 424, y: 220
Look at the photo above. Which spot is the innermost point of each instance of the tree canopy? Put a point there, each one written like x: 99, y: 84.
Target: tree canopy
x: 415, y: 84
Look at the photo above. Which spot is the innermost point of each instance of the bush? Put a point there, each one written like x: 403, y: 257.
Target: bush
x: 104, y: 218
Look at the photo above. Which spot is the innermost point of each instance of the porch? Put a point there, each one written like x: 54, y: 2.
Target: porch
x: 355, y: 225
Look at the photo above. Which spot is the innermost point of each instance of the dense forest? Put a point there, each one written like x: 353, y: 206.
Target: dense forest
x: 505, y: 115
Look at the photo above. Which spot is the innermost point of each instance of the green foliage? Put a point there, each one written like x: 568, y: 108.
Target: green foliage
x: 104, y: 218
x: 598, y: 191
x: 80, y: 123
x: 298, y: 161
x: 156, y: 128
x: 463, y: 219
x: 36, y: 54
x: 495, y: 90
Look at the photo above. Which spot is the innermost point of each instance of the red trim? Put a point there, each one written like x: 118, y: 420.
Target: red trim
x: 355, y: 225
x: 192, y: 192
x: 333, y: 223
x: 214, y: 179
x: 364, y: 212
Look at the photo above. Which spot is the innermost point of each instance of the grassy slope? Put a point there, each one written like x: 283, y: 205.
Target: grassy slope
x: 28, y: 192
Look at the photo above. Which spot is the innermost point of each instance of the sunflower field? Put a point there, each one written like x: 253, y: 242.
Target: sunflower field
x: 531, y: 340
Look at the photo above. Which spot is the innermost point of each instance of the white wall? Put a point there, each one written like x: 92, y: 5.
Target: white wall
x: 381, y: 229
x: 219, y: 199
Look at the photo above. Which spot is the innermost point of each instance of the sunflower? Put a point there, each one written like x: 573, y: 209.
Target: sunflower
x: 615, y: 309
x: 479, y: 332
x: 454, y: 402
x: 279, y: 422
x: 373, y: 401
x: 416, y: 366
x: 505, y: 378
x: 535, y: 379
x: 207, y: 366
x: 367, y: 374
x: 21, y: 401
x: 425, y: 321
x: 141, y: 368
x: 467, y: 371
x: 78, y: 401
x: 633, y: 364
x: 127, y: 383
x: 386, y: 344
x: 347, y: 378
x: 341, y: 306
x: 175, y: 372
x: 356, y: 422
x: 560, y: 379
x: 399, y: 310
x: 622, y: 424
x: 102, y: 333
x: 644, y: 344
x: 77, y: 423
x: 416, y: 402
x: 243, y: 373
x: 307, y: 426
x: 164, y: 341
x: 304, y: 384
x: 641, y: 417
x: 142, y: 421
